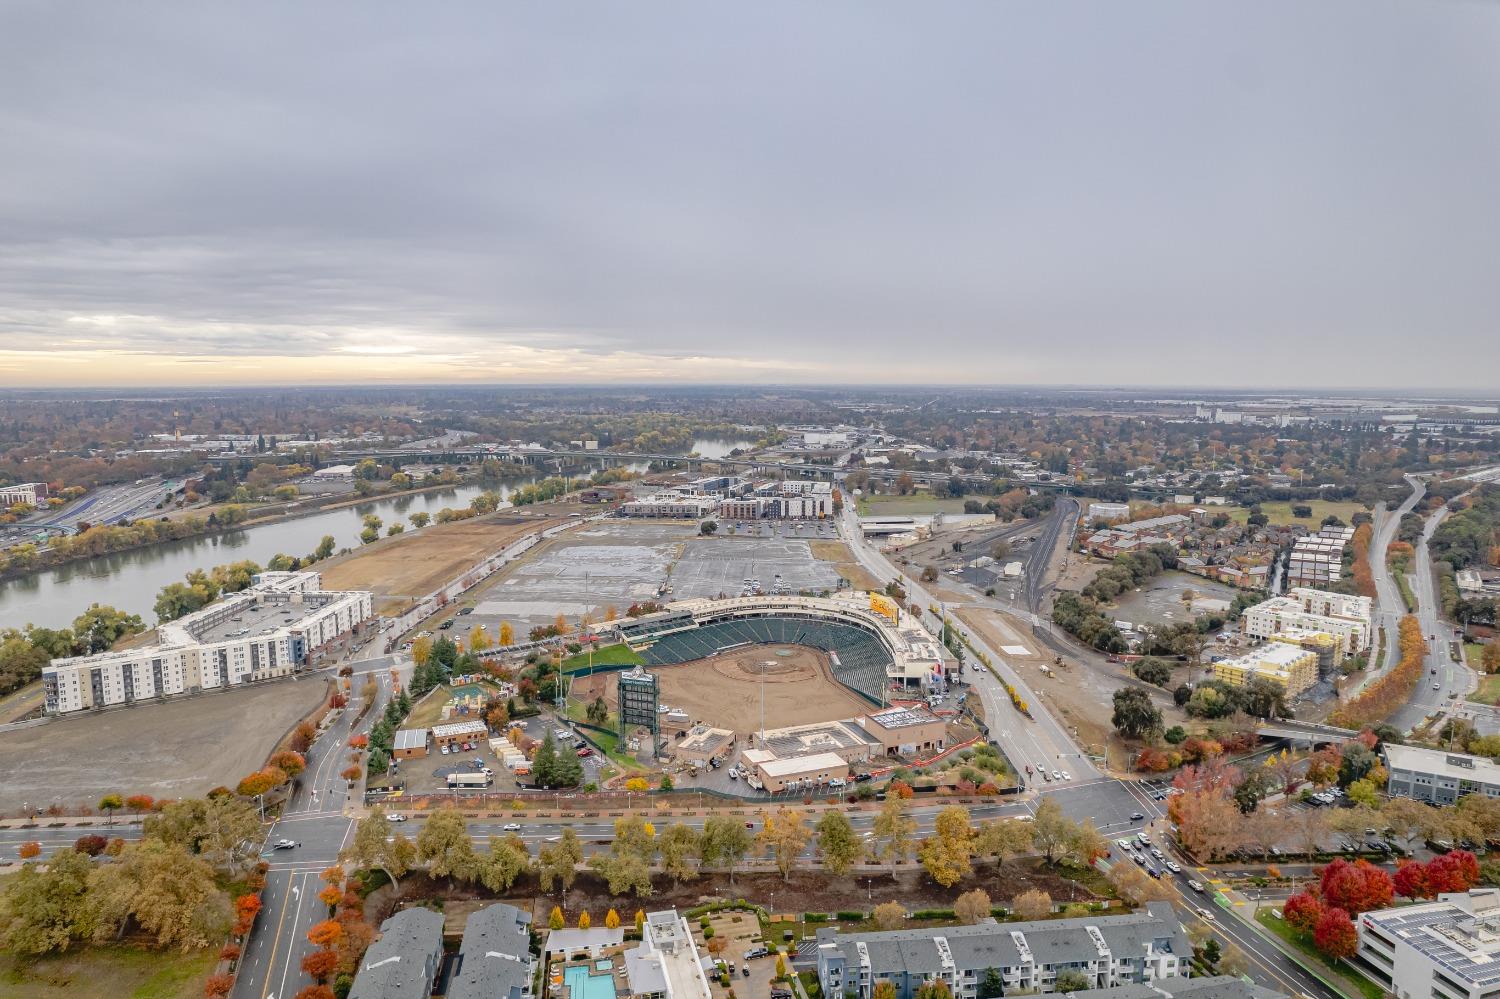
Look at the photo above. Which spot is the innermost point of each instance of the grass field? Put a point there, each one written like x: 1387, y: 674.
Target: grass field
x: 413, y: 565
x: 1488, y: 691
x: 609, y: 655
x: 891, y: 505
x: 1315, y: 961
x: 429, y: 710
x: 108, y: 973
x: 844, y: 564
x: 1281, y: 513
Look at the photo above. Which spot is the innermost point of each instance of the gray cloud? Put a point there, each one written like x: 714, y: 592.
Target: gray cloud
x: 1282, y: 193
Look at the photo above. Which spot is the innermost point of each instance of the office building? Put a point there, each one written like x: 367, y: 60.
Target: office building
x: 1109, y: 951
x: 1438, y: 777
x: 1446, y: 949
x: 282, y: 623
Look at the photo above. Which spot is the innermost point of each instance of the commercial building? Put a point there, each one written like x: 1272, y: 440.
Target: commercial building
x: 494, y: 960
x: 703, y: 743
x: 30, y: 493
x: 410, y: 742
x: 776, y: 774
x: 282, y: 623
x: 1292, y: 666
x: 1109, y: 951
x: 1438, y: 777
x: 842, y: 738
x: 1347, y: 618
x: 457, y: 733
x: 1447, y: 949
x: 906, y: 731
x: 403, y: 963
x: 666, y: 964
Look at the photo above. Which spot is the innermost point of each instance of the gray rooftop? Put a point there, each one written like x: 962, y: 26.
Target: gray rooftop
x: 1463, y: 944
x: 403, y: 962
x: 494, y: 961
x: 990, y: 944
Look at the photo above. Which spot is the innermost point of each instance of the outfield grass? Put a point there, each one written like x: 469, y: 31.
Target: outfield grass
x: 609, y: 655
x: 1315, y: 960
x: 1280, y: 512
x: 116, y: 972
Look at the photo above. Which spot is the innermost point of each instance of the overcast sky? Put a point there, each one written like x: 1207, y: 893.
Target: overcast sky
x: 1282, y: 194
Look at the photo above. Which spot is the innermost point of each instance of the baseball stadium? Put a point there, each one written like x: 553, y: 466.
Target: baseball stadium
x: 743, y: 662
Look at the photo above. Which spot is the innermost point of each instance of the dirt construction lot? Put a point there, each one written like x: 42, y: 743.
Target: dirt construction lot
x: 178, y: 748
x: 725, y: 690
x: 413, y: 565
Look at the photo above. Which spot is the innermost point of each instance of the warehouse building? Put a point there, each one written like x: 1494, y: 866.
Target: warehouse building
x: 1109, y: 951
x: 776, y: 774
x: 906, y: 731
x: 281, y: 624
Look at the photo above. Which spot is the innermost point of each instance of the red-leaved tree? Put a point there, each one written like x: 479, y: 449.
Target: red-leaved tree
x: 1411, y: 880
x: 1355, y: 888
x: 1302, y: 912
x: 1335, y: 935
x: 1456, y: 871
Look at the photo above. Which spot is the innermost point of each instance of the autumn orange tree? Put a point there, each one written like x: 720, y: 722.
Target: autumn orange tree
x: 1384, y: 695
x: 1364, y: 579
x: 1207, y: 817
x: 325, y: 934
x: 289, y: 762
x: 218, y: 986
x: 30, y: 849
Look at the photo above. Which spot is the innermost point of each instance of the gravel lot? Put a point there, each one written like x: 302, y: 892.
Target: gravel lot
x: 174, y: 749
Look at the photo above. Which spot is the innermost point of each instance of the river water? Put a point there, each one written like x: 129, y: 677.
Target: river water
x: 130, y: 580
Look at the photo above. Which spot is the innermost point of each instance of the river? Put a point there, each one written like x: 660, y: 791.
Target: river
x: 130, y: 580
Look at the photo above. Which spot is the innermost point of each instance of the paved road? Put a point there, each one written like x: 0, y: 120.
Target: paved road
x: 1448, y: 679
x: 1039, y: 740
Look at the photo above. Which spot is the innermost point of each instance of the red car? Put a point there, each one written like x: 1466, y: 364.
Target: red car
x: 585, y: 751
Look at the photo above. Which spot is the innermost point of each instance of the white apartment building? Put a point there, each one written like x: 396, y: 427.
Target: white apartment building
x: 671, y: 506
x: 666, y: 964
x: 283, y: 622
x: 1109, y: 951
x: 1347, y: 618
x: 30, y: 493
x: 1447, y: 949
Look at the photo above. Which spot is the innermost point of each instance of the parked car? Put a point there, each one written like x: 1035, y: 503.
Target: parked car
x: 284, y: 844
x: 585, y: 751
x: 395, y: 817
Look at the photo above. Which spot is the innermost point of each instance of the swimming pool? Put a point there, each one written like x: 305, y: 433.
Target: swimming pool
x: 582, y: 985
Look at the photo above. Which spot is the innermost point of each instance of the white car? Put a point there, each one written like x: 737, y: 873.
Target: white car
x: 511, y: 827
x: 1205, y: 914
x: 1195, y: 886
x: 445, y: 749
x: 1057, y: 775
x: 396, y: 817
x: 284, y: 844
x: 1066, y: 775
x: 1174, y: 867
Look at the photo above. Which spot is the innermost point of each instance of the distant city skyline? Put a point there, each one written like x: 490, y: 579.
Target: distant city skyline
x: 1158, y: 194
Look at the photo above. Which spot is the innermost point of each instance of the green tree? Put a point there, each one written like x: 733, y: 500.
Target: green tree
x: 101, y: 626
x: 1135, y: 716
x: 894, y: 831
x: 1069, y: 980
x: 374, y: 847
x: 783, y: 835
x: 443, y: 844
x: 47, y: 910
x: 837, y: 844
x: 324, y: 549
x: 110, y: 804
x: 627, y: 865
x: 166, y: 891
x: 679, y: 846
x: 223, y: 830
x: 1052, y: 832
x: 725, y: 842
x: 507, y: 860
x: 557, y: 863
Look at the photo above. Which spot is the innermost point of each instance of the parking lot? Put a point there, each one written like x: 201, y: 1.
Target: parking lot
x: 619, y: 562
x: 429, y: 774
